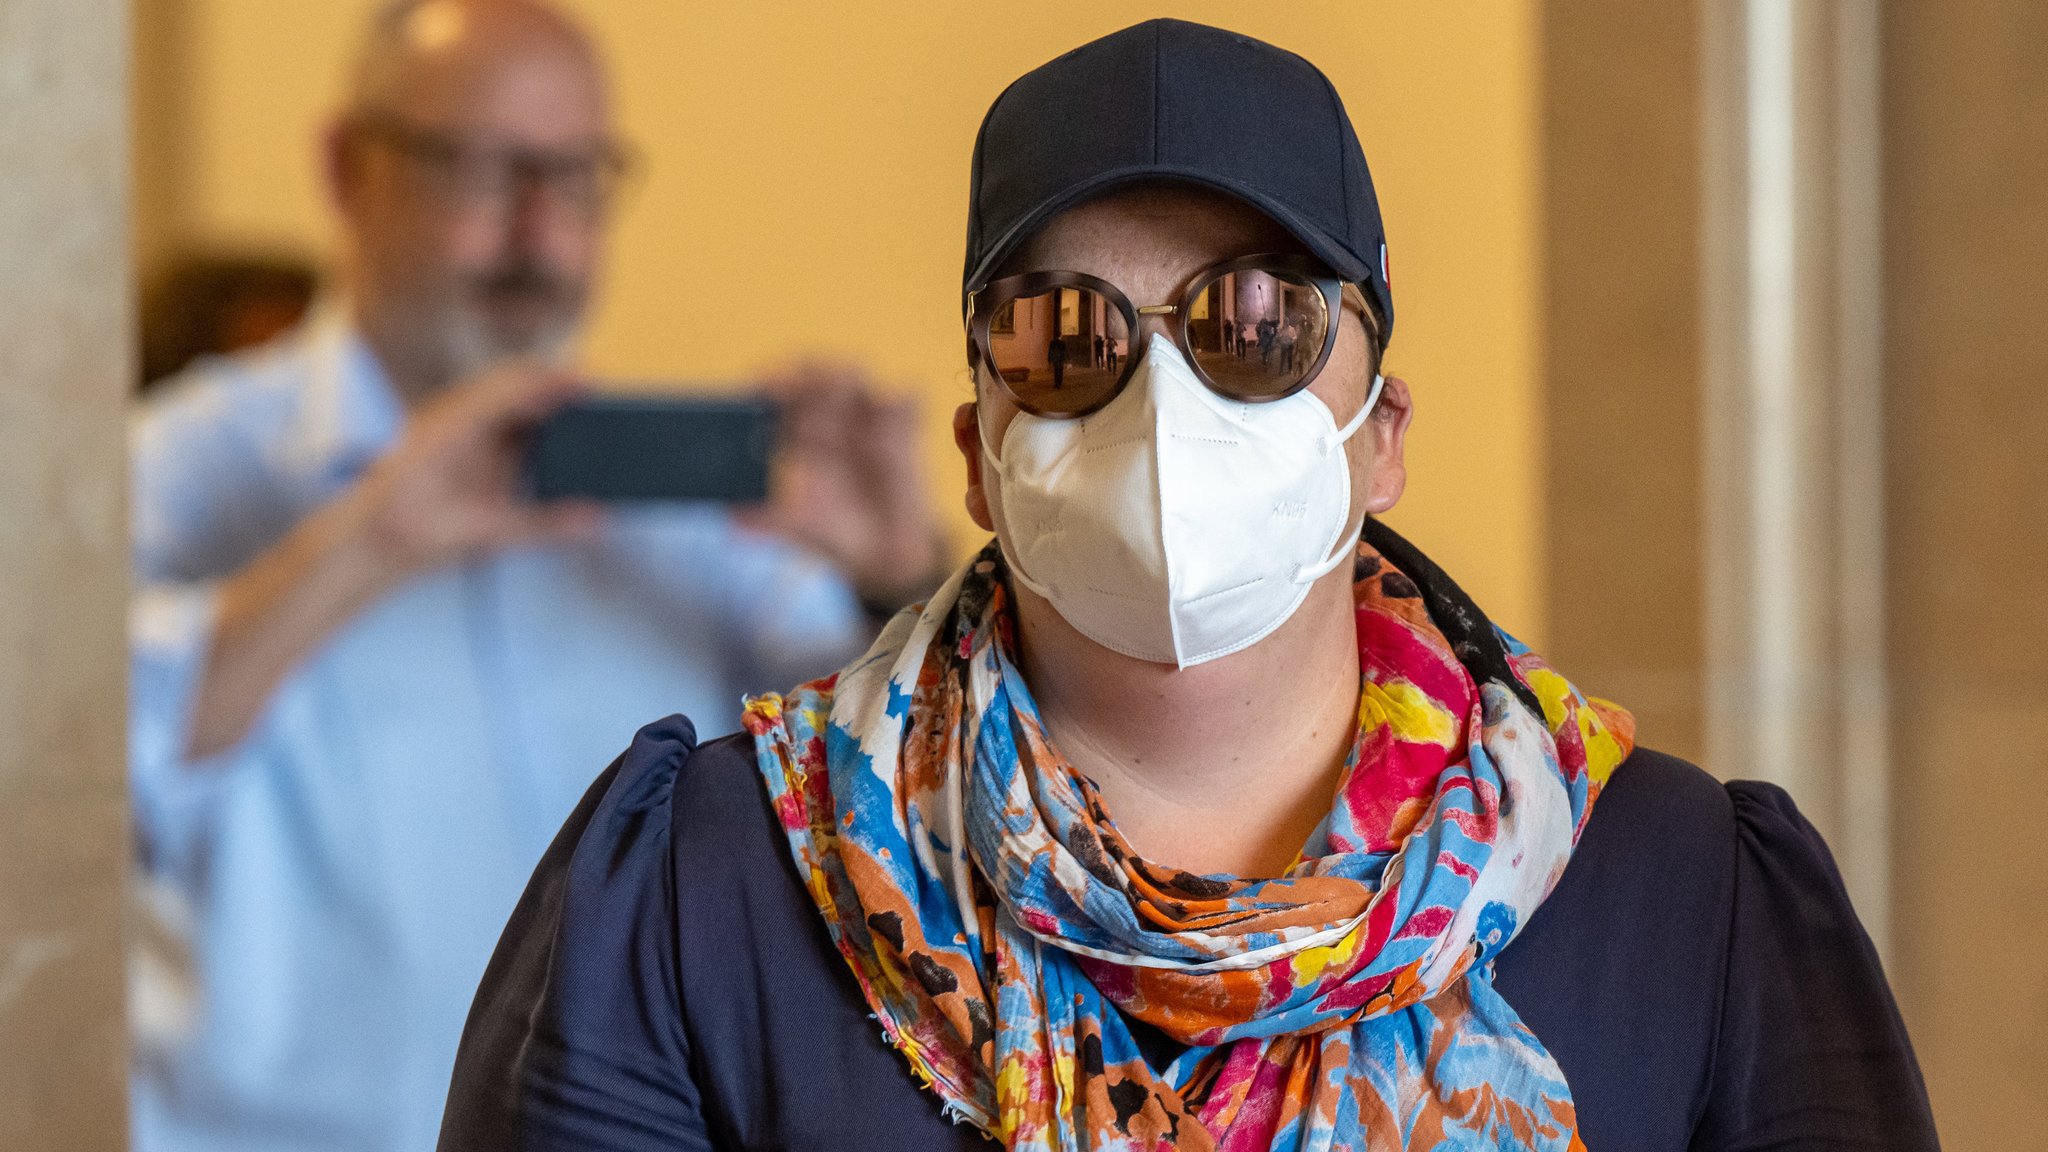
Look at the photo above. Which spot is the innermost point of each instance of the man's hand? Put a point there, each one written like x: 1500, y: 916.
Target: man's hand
x: 450, y: 490
x: 850, y: 483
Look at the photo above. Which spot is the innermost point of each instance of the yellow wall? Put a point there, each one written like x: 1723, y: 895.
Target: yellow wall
x: 795, y: 151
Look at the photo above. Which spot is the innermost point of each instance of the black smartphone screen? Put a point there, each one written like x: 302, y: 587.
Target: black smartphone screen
x: 653, y: 446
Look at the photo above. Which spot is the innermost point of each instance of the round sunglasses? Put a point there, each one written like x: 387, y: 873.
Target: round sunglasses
x: 1255, y: 328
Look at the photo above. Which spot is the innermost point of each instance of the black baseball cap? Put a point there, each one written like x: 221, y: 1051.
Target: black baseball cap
x: 1175, y: 101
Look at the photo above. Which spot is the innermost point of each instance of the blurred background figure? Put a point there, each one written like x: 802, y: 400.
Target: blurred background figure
x: 369, y: 677
x: 210, y: 304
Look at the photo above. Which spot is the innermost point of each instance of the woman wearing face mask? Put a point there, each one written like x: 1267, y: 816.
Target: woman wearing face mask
x: 1198, y: 811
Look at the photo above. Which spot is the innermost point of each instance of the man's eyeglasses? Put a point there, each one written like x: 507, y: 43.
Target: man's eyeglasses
x: 475, y: 172
x: 1255, y: 329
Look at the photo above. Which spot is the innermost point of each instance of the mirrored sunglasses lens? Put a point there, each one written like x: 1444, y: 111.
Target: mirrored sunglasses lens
x: 1060, y: 351
x: 1256, y: 334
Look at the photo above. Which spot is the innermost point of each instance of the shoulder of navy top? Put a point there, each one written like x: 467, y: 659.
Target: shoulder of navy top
x: 667, y: 982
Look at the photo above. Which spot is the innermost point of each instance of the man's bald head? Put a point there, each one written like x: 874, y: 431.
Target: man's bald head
x: 469, y: 166
x: 422, y: 55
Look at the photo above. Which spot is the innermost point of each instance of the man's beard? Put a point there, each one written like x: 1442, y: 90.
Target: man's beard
x: 519, y: 311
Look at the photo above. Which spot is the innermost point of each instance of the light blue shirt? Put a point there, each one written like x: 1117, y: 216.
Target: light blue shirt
x: 344, y: 872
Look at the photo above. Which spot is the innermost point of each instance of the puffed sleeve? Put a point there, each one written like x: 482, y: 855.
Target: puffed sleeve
x: 1811, y: 1052
x: 575, y: 1039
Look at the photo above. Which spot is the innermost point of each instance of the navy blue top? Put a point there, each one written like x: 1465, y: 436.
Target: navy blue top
x: 666, y: 982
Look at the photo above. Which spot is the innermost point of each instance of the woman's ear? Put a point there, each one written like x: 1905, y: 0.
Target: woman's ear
x: 1388, y: 428
x: 967, y: 437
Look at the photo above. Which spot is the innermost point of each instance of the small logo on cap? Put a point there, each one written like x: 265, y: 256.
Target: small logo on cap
x: 1386, y: 280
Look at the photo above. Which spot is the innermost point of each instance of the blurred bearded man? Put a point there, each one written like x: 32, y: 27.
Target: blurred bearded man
x: 369, y: 677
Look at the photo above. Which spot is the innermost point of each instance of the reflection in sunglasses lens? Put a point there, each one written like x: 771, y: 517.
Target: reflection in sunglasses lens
x: 1256, y: 334
x: 1253, y: 334
x: 1061, y: 350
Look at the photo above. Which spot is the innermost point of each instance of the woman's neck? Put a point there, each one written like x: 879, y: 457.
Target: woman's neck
x: 1223, y: 767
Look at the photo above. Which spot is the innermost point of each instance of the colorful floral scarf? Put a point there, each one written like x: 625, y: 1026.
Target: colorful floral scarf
x: 1003, y: 932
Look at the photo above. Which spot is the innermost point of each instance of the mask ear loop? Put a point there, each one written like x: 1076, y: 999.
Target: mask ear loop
x: 1308, y: 574
x: 1016, y: 566
x: 981, y: 434
x: 1343, y: 435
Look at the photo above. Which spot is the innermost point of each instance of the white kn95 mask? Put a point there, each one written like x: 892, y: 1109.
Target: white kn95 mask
x: 1176, y: 525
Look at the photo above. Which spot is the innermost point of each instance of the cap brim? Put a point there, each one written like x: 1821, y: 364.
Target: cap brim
x: 1319, y: 243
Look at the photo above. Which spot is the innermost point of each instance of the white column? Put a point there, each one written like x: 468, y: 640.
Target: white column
x: 65, y: 335
x: 1793, y: 418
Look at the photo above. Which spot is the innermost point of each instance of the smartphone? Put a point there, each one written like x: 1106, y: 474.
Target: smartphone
x: 649, y: 446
